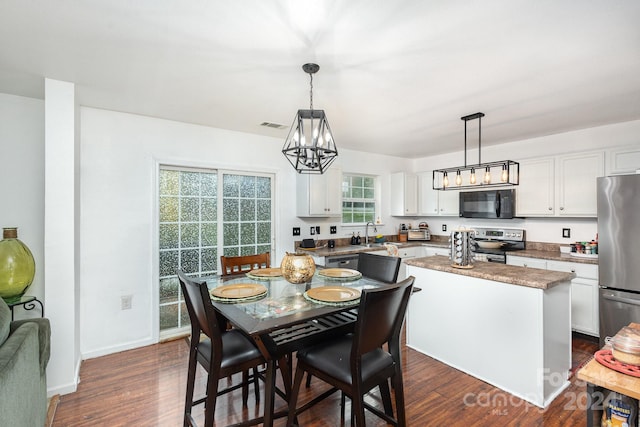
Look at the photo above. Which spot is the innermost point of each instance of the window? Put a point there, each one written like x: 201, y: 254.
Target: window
x: 358, y: 199
x: 193, y: 232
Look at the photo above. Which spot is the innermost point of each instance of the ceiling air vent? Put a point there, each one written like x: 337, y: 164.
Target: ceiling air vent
x: 273, y: 125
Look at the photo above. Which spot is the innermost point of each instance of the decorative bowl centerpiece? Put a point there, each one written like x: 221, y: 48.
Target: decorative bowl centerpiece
x: 297, y: 268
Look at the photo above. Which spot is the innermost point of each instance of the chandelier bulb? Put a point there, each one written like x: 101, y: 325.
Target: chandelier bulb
x: 472, y: 178
x: 458, y: 178
x: 505, y: 173
x: 487, y: 175
x: 445, y: 180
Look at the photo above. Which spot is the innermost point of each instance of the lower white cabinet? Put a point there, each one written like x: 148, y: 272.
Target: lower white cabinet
x: 527, y: 262
x: 584, y: 290
x: 431, y: 251
x: 407, y: 253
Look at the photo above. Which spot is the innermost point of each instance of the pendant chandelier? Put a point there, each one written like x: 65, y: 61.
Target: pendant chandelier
x: 310, y: 147
x: 502, y: 173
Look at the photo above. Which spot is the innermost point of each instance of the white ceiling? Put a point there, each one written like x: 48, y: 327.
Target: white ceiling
x: 395, y: 76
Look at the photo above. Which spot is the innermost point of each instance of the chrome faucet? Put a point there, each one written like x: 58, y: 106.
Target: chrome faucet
x: 366, y: 232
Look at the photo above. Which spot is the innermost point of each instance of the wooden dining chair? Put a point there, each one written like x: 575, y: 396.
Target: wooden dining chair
x: 356, y: 363
x: 243, y: 264
x: 379, y: 267
x: 222, y: 353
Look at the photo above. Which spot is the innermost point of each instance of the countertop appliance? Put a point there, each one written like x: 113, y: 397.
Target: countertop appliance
x: 488, y: 204
x: 618, y: 252
x: 421, y: 234
x: 497, y: 242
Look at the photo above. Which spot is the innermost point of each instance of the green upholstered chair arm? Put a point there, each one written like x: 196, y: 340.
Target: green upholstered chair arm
x: 44, y: 338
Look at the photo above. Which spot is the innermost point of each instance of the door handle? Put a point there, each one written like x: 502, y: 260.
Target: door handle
x: 497, y: 205
x: 611, y: 297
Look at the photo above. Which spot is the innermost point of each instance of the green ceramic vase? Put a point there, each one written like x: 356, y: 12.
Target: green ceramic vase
x: 17, y: 266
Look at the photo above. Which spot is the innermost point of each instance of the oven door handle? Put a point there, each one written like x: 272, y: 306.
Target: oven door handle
x: 611, y: 297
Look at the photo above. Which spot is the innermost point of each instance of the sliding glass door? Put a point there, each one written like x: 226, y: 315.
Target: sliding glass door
x: 204, y: 214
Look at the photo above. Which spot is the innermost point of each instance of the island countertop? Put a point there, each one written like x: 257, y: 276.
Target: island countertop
x: 530, y: 277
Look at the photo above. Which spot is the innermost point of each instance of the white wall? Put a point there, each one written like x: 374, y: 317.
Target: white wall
x: 120, y: 153
x: 22, y: 179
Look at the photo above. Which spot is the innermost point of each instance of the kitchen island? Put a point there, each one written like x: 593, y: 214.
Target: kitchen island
x: 506, y: 325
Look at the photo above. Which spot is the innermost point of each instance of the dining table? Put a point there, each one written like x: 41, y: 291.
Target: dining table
x: 283, y: 317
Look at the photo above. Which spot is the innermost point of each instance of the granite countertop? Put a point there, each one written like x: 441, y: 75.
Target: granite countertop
x: 354, y: 249
x: 552, y: 255
x: 522, y: 276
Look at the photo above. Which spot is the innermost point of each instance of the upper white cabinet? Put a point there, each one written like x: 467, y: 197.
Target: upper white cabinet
x: 559, y: 186
x: 404, y: 194
x: 623, y: 160
x: 319, y: 195
x: 576, y: 183
x: 434, y: 202
x: 535, y: 193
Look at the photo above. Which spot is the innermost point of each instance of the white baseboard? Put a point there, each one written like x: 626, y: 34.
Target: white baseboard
x: 116, y: 349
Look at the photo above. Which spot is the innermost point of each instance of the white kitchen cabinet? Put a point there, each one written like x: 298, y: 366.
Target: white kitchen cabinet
x: 562, y: 186
x: 527, y: 262
x: 576, y: 183
x: 435, y: 202
x: 404, y: 254
x: 404, y: 194
x: 319, y: 195
x: 584, y: 290
x: 431, y: 251
x: 623, y: 160
x: 584, y: 295
x: 535, y: 194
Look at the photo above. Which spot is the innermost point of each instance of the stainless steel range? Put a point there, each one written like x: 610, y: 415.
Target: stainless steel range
x: 492, y: 244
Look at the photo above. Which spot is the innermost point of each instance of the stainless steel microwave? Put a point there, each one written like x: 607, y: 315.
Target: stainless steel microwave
x: 488, y: 204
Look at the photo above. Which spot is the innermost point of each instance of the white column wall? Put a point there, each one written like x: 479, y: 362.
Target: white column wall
x: 60, y: 236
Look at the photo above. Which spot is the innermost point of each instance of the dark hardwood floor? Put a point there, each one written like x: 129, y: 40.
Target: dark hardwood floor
x: 146, y: 386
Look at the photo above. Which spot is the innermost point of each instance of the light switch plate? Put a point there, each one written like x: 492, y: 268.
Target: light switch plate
x: 296, y: 231
x: 333, y: 229
x: 566, y: 232
x: 312, y: 231
x: 444, y: 227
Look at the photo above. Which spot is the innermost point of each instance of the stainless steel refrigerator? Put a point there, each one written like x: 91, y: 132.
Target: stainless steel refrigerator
x: 618, y: 252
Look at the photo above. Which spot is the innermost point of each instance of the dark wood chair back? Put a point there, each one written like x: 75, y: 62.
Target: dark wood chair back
x: 380, y: 316
x: 243, y: 264
x: 204, y: 318
x: 379, y: 267
x: 223, y: 354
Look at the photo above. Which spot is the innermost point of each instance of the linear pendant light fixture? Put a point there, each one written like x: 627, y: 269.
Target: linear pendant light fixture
x: 503, y: 173
x: 310, y: 147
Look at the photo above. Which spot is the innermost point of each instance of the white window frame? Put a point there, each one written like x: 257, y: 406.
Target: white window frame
x: 375, y: 200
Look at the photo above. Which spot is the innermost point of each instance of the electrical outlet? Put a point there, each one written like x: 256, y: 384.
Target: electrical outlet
x: 333, y: 229
x: 312, y: 231
x: 296, y: 231
x: 317, y: 229
x: 566, y: 232
x: 444, y: 227
x: 125, y: 302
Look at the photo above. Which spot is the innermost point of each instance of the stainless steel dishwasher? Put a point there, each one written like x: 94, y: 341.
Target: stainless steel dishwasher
x: 342, y: 261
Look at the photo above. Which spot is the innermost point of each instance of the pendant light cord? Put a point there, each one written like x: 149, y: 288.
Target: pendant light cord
x: 311, y: 91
